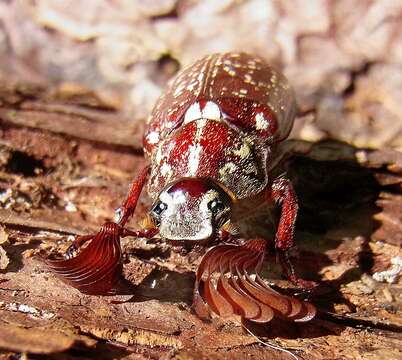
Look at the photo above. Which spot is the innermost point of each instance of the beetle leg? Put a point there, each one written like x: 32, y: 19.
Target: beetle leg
x: 124, y: 213
x: 97, y: 267
x: 282, y: 192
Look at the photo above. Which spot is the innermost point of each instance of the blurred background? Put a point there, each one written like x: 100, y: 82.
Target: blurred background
x: 343, y: 57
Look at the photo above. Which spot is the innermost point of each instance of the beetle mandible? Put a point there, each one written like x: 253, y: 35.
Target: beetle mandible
x: 212, y: 141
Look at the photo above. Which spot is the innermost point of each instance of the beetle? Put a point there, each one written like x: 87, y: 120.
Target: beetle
x: 213, y: 141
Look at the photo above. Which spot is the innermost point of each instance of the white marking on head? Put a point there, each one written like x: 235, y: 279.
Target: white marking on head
x: 153, y: 137
x: 165, y: 197
x: 179, y: 197
x: 192, y: 113
x: 211, y: 111
x: 260, y: 122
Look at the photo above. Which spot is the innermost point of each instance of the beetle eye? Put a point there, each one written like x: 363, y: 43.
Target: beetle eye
x: 216, y: 206
x: 159, y: 208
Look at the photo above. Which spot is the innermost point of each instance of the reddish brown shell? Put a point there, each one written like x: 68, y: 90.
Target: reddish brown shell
x: 245, y: 80
x: 218, y: 119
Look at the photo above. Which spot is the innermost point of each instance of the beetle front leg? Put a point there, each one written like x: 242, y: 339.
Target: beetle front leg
x: 282, y: 193
x: 97, y: 268
x: 124, y: 213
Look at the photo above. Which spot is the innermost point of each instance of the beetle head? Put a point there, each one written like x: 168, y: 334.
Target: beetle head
x: 191, y: 209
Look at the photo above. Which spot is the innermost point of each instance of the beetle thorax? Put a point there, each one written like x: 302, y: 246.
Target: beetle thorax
x: 207, y: 148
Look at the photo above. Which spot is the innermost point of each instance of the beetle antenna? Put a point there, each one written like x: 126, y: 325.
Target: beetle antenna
x: 268, y: 344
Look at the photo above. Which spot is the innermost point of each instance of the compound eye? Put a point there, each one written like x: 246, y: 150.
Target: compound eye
x: 216, y: 206
x: 159, y: 208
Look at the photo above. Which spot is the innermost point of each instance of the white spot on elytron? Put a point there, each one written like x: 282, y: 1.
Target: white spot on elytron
x: 200, y: 128
x: 179, y: 89
x: 211, y: 111
x: 260, y: 122
x: 229, y: 70
x: 165, y: 168
x: 194, y: 159
x: 243, y: 91
x: 192, y: 113
x: 192, y: 86
x: 153, y: 137
x: 243, y: 152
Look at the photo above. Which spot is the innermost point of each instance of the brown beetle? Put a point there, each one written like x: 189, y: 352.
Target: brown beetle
x: 213, y: 140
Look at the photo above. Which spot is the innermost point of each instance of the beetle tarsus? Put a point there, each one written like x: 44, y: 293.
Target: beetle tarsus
x: 287, y: 266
